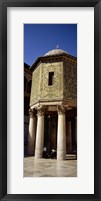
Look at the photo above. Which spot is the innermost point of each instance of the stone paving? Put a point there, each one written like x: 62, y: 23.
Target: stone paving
x: 50, y: 167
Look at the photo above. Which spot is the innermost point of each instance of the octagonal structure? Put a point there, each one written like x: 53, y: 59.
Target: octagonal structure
x: 54, y: 79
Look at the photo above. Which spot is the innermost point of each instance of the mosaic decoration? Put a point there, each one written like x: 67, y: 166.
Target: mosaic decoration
x: 40, y: 88
x: 55, y: 90
x: 35, y: 89
x: 70, y: 80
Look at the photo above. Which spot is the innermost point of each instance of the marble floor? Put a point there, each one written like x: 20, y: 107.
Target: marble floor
x: 50, y: 167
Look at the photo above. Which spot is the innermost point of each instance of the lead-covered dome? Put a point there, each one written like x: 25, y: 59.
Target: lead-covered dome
x: 55, y: 52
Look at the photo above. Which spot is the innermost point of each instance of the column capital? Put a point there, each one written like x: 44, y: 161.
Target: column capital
x: 31, y: 113
x: 41, y: 110
x: 61, y: 109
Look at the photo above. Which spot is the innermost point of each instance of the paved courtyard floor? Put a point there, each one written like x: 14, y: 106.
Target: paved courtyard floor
x: 50, y: 167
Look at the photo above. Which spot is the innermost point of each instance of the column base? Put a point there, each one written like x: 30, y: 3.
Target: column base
x: 61, y: 156
x: 38, y: 155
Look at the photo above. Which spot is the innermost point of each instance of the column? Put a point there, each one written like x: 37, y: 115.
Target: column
x: 31, y: 134
x: 61, y: 135
x: 39, y: 134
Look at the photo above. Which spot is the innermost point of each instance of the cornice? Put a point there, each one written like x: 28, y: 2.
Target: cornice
x: 52, y: 58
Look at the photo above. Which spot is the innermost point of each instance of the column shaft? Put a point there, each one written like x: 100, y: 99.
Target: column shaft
x: 31, y: 135
x: 39, y: 137
x: 61, y: 137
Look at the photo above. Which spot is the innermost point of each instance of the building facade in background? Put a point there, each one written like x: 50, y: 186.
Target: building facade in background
x: 27, y: 91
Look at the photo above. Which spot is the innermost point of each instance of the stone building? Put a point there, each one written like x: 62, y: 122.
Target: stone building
x: 27, y: 91
x: 53, y: 104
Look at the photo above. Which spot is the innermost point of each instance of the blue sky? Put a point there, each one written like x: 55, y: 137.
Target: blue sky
x: 41, y: 38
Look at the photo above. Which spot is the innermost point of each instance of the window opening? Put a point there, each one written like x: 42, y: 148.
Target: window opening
x: 51, y: 78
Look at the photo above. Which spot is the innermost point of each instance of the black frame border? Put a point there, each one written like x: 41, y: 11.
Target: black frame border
x: 97, y: 98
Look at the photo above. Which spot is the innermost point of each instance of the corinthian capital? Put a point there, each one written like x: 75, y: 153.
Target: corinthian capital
x: 41, y: 110
x: 31, y: 113
x: 61, y: 109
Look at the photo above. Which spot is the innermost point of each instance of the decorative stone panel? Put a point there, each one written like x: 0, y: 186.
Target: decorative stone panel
x: 40, y: 88
x: 55, y: 90
x: 70, y: 80
x: 35, y: 89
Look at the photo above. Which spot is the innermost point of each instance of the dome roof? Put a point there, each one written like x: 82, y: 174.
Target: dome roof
x: 55, y: 52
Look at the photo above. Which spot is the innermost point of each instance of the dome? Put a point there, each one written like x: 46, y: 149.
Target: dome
x: 55, y: 52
